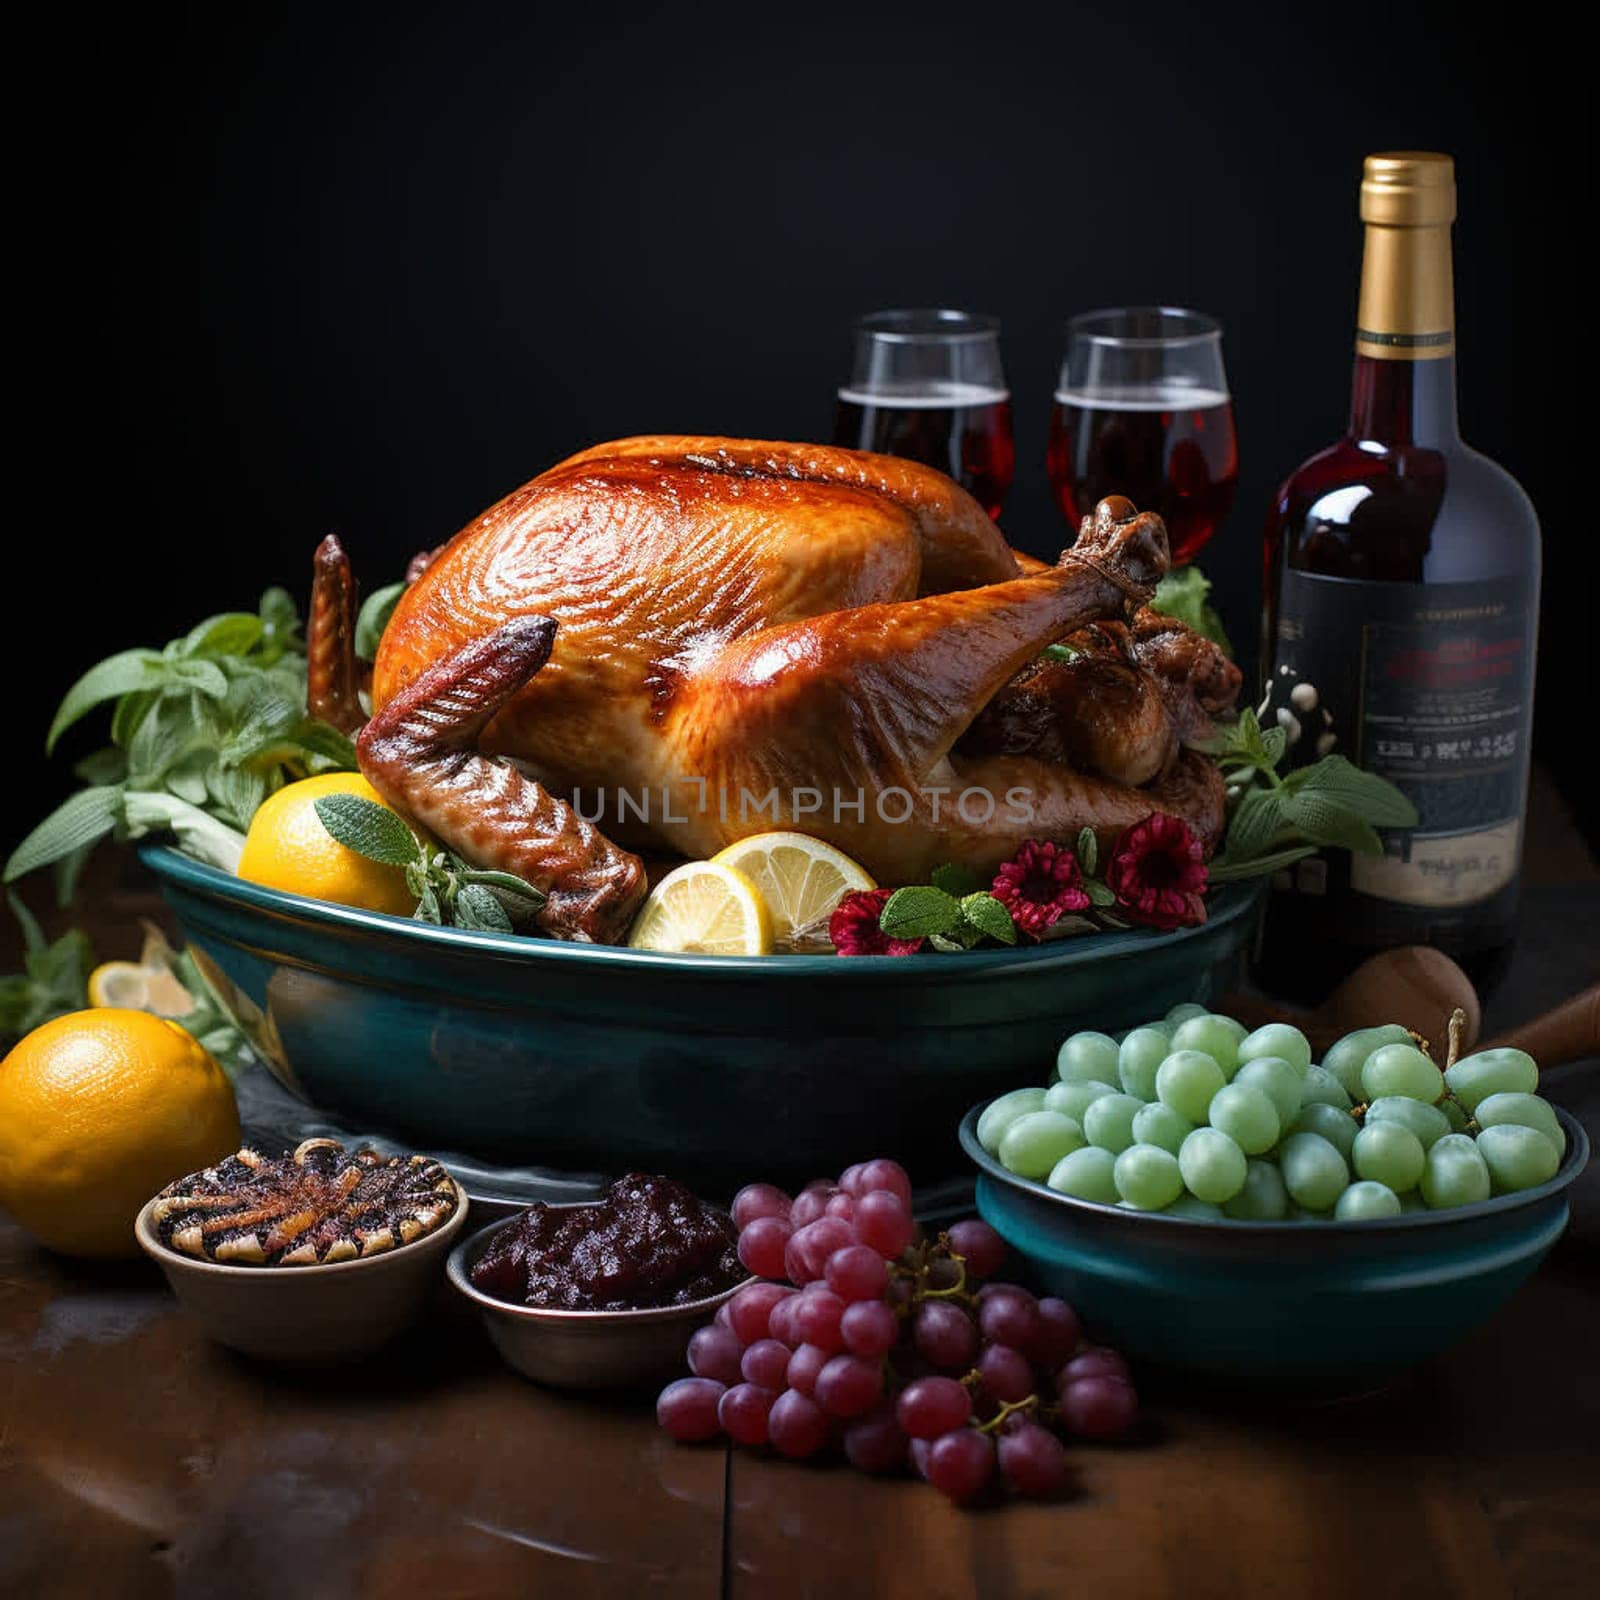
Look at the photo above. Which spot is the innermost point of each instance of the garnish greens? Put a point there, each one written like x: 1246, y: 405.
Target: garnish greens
x: 1182, y: 593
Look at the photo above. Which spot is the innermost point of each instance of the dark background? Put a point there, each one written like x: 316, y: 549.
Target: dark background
x: 367, y: 268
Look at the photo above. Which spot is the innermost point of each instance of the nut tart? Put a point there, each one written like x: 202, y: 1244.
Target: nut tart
x: 318, y: 1205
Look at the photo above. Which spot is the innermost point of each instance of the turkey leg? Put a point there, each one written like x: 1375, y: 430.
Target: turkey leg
x: 420, y: 753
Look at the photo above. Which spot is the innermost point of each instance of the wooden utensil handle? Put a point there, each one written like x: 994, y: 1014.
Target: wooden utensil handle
x: 1568, y: 1033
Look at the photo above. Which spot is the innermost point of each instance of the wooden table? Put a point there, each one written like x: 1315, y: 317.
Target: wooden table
x: 137, y: 1459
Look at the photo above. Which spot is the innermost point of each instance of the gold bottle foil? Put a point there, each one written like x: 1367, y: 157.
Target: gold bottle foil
x: 1407, y: 308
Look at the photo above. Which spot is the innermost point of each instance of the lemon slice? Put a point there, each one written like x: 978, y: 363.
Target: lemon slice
x: 704, y: 908
x: 801, y: 879
x: 133, y: 987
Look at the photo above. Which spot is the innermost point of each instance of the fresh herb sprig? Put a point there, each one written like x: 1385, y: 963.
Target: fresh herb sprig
x: 448, y: 890
x: 1183, y: 593
x: 1276, y: 819
x: 54, y: 978
x: 202, y: 731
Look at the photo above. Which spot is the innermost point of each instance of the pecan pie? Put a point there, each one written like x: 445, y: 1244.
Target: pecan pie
x: 320, y: 1204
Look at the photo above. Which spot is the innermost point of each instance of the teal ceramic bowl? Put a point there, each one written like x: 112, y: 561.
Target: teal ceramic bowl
x: 716, y: 1069
x: 1318, y: 1306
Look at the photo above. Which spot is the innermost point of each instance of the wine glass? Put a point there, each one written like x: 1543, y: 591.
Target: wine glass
x: 1142, y: 409
x: 928, y: 385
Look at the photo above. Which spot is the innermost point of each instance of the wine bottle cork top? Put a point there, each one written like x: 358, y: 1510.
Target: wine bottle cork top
x: 1408, y: 189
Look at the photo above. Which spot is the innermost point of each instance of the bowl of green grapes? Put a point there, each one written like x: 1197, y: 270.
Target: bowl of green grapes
x: 1214, y: 1200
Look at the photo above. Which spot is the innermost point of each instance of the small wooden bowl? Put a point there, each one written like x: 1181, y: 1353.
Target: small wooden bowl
x: 306, y: 1315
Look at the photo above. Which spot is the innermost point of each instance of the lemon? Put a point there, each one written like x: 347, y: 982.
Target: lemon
x: 98, y: 1110
x: 132, y: 986
x: 288, y: 848
x: 801, y: 879
x: 704, y: 908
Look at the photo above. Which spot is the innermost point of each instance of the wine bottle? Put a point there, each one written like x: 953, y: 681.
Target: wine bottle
x: 1402, y: 574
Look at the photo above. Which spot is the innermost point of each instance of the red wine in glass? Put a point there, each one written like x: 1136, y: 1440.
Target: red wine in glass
x: 928, y: 385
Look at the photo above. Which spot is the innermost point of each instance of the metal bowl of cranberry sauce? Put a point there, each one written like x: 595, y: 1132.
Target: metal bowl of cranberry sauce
x: 601, y: 1294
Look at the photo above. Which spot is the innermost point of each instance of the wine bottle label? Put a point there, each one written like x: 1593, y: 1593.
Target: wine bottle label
x: 1431, y: 686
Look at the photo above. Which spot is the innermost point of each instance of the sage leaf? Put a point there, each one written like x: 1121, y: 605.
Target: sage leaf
x: 1223, y: 870
x: 944, y: 943
x: 198, y: 833
x: 1099, y: 893
x: 479, y: 908
x: 1088, y: 851
x: 919, y: 912
x: 1321, y: 818
x: 117, y: 675
x: 369, y: 829
x: 1256, y: 822
x: 234, y: 633
x: 989, y: 917
x: 373, y: 618
x: 1374, y: 799
x: 84, y: 818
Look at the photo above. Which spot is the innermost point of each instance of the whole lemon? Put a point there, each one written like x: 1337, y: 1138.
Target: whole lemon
x: 289, y: 848
x: 100, y: 1109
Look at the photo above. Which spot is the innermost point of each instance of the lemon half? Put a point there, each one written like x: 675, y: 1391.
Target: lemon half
x: 704, y: 908
x: 801, y: 879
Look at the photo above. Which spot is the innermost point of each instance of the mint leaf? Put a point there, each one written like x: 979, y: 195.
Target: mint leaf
x: 374, y: 616
x: 1256, y: 822
x: 82, y: 819
x: 954, y: 879
x: 989, y: 917
x: 234, y: 633
x: 1323, y: 819
x: 919, y: 912
x: 369, y: 829
x: 114, y: 677
x: 1088, y: 851
x: 1182, y: 594
x: 1373, y: 798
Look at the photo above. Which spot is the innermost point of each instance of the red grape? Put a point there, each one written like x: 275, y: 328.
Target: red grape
x: 1058, y: 1334
x: 1007, y: 1374
x: 929, y: 1407
x: 687, y: 1409
x: 811, y: 1202
x: 857, y: 1273
x: 796, y: 1425
x: 809, y: 1249
x: 1032, y: 1460
x: 885, y: 1174
x: 759, y: 1200
x: 816, y: 1318
x: 743, y: 1412
x: 804, y: 1365
x: 1100, y: 1407
x: 884, y: 1222
x: 749, y: 1309
x: 780, y: 1325
x: 979, y: 1246
x: 850, y: 1179
x: 918, y: 1452
x: 1097, y: 1362
x: 869, y: 1328
x: 849, y: 1386
x: 842, y: 1206
x: 875, y: 1443
x: 714, y: 1353
x: 945, y: 1335
x: 723, y: 1318
x: 762, y: 1246
x: 960, y: 1463
x: 766, y: 1362
x: 1008, y: 1315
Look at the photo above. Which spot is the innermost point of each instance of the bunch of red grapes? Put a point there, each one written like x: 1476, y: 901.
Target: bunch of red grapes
x: 894, y: 1346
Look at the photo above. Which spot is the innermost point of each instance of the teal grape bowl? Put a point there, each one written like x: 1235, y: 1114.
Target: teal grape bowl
x: 715, y: 1069
x: 1322, y: 1307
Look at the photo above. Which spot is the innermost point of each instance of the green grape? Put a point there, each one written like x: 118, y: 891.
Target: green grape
x: 1454, y: 1115
x: 1147, y: 1177
x: 1109, y: 1121
x: 1427, y: 1122
x: 1086, y: 1174
x: 1336, y: 1126
x: 1142, y: 1053
x: 1215, y: 1035
x: 1182, y: 1013
x: 1314, y: 1172
x: 1162, y: 1026
x: 1247, y: 1115
x: 1518, y: 1157
x: 999, y: 1114
x: 1263, y: 1198
x: 1161, y: 1125
x: 1276, y: 1079
x: 1364, y: 1200
x: 1073, y: 1099
x: 1088, y: 1058
x: 1186, y: 1081
x: 1198, y: 1210
x: 1412, y: 1201
x: 1281, y: 1042
x: 1213, y: 1166
x: 1387, y: 1153
x: 1401, y: 1069
x: 1507, y: 1071
x: 1321, y: 1085
x: 1036, y: 1141
x: 1346, y: 1059
x: 1527, y: 1110
x: 1455, y: 1174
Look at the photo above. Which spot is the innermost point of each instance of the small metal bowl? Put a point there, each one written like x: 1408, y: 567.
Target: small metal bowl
x: 582, y: 1349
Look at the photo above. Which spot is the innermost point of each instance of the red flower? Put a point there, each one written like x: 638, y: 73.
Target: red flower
x: 1040, y: 885
x: 855, y: 929
x: 1158, y: 873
